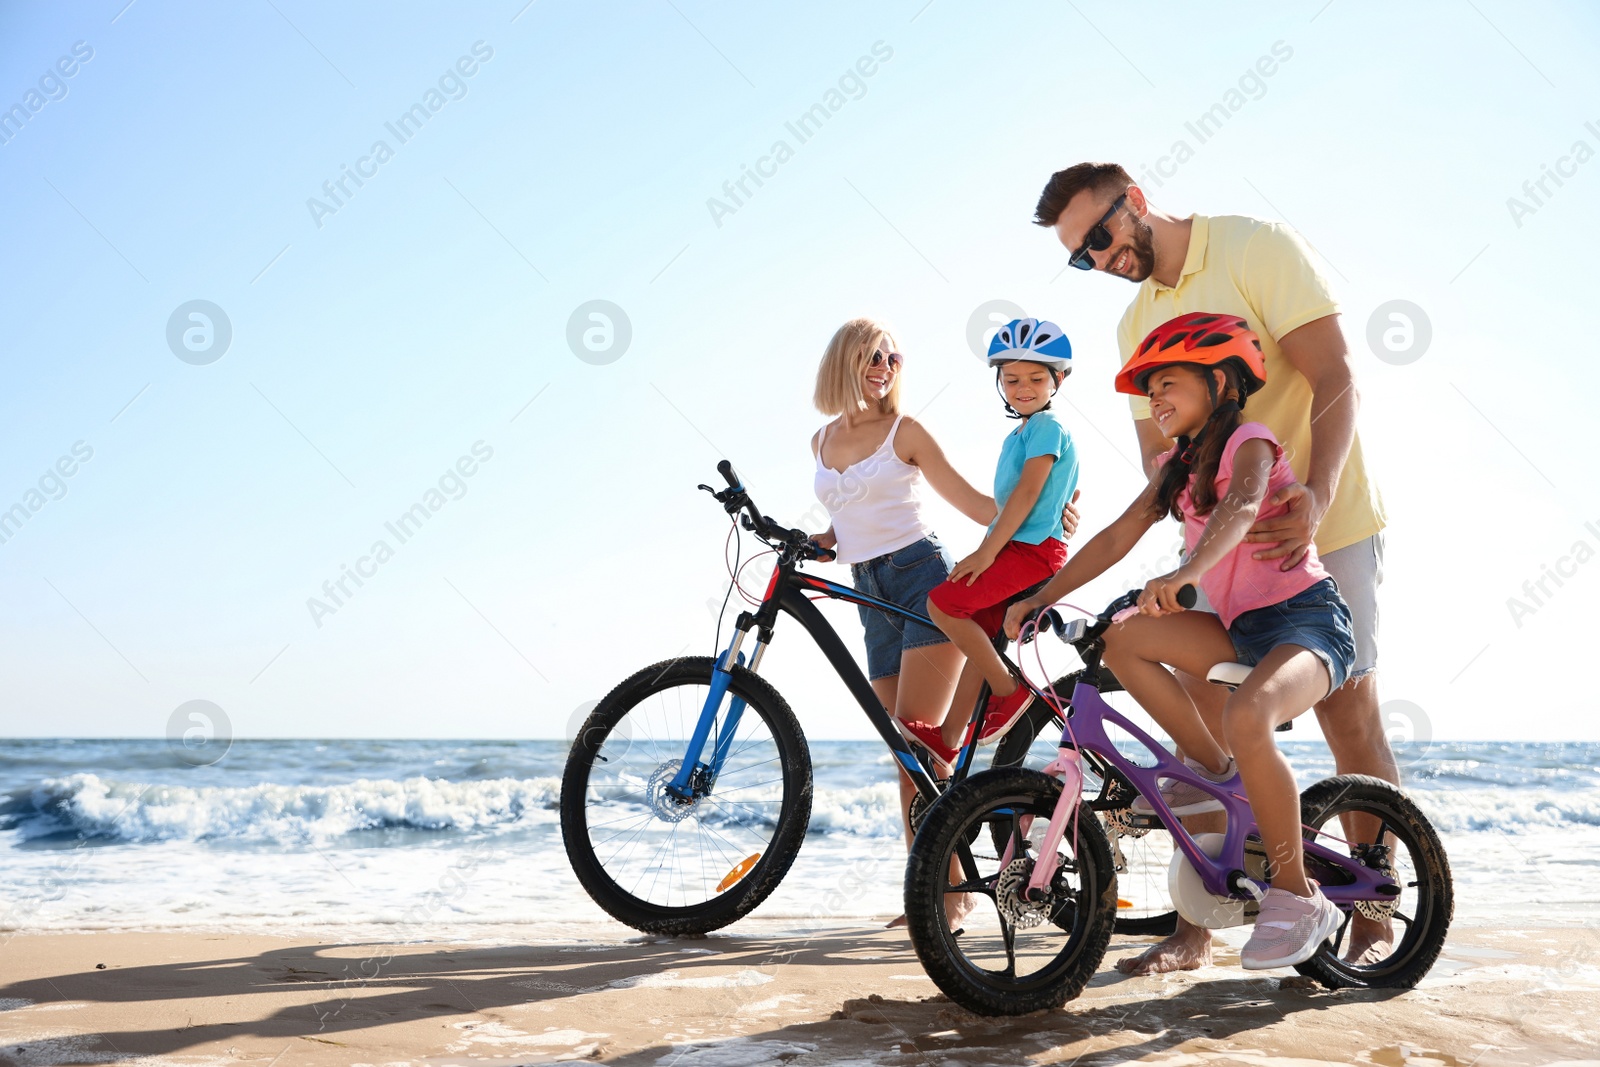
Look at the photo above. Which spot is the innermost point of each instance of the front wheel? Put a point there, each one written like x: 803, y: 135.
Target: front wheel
x: 1379, y: 826
x: 669, y: 865
x: 1140, y: 851
x: 1013, y: 955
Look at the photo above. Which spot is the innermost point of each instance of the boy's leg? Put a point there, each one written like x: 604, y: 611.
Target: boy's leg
x: 968, y: 686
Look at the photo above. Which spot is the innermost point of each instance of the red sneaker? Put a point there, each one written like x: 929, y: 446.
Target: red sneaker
x: 1002, y: 714
x: 927, y: 736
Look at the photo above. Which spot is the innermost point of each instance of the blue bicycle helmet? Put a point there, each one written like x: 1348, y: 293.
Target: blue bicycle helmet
x: 1034, y: 341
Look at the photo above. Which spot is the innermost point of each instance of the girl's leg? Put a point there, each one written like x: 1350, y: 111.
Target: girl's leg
x: 1192, y: 641
x: 1287, y: 682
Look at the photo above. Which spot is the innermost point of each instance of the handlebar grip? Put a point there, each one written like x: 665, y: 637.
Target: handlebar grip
x: 1187, y: 597
x: 725, y: 469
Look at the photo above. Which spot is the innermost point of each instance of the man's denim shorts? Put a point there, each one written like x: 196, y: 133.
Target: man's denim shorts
x: 904, y: 577
x: 1316, y: 619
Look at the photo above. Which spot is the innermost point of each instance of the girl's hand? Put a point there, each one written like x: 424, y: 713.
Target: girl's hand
x: 1017, y: 614
x: 1160, y: 596
x: 973, y: 565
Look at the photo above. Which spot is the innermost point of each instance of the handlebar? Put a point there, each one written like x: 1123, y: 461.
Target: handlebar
x: 1080, y: 632
x: 735, y: 499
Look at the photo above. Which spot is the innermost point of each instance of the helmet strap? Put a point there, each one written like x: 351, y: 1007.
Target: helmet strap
x: 1187, y: 447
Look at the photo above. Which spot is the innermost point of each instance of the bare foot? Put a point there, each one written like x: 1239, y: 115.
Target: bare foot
x: 957, y: 906
x: 895, y: 923
x: 1370, y: 940
x: 1186, y: 950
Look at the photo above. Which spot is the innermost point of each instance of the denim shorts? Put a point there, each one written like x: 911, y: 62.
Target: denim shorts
x: 905, y: 577
x: 1316, y: 619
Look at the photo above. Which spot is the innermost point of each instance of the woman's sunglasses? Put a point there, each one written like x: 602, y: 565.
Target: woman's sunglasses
x: 1098, y: 239
x: 895, y: 360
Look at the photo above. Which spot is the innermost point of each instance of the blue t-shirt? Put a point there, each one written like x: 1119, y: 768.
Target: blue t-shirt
x: 1041, y: 435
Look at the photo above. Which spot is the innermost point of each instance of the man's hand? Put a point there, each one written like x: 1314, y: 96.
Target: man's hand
x: 1069, y: 517
x: 1017, y: 614
x: 973, y: 565
x: 1160, y: 596
x: 1294, y: 530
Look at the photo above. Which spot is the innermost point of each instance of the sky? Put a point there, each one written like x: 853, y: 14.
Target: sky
x: 232, y: 369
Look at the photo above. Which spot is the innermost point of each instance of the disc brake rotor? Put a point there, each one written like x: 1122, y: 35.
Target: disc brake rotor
x: 1378, y: 858
x: 1012, y: 883
x: 1120, y: 821
x: 667, y: 807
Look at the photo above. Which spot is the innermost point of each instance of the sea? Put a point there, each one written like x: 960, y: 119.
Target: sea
x: 448, y: 838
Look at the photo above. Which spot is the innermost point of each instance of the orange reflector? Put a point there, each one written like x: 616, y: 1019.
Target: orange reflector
x: 1120, y: 903
x: 740, y: 869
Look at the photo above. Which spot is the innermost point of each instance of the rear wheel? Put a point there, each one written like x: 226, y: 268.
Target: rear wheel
x: 1401, y: 841
x: 667, y: 865
x: 1014, y: 955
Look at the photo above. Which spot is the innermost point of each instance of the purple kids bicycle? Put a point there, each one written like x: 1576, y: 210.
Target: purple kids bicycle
x: 1036, y: 859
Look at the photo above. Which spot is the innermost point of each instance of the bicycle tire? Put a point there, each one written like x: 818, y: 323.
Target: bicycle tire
x: 789, y: 815
x: 1426, y: 869
x: 1013, y: 751
x: 1080, y: 918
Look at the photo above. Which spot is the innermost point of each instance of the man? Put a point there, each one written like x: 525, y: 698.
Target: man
x: 1260, y: 271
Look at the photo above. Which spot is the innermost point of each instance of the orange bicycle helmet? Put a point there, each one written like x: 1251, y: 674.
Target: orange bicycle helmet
x: 1202, y: 338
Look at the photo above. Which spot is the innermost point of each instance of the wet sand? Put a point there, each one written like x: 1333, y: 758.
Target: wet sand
x: 763, y: 992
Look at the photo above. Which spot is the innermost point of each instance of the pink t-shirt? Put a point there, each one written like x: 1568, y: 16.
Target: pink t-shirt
x: 1239, y: 583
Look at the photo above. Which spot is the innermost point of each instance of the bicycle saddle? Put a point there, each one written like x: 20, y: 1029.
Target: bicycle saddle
x: 1233, y: 675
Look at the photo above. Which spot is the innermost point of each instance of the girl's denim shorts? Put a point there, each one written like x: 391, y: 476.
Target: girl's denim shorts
x: 1317, y: 619
x: 905, y: 577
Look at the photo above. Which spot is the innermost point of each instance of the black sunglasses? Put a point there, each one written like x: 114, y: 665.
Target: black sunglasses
x: 895, y: 360
x: 1098, y: 239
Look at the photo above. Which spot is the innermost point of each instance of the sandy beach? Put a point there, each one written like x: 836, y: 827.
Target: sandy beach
x: 763, y: 992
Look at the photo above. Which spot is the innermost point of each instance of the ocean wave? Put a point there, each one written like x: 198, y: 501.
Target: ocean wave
x: 87, y: 806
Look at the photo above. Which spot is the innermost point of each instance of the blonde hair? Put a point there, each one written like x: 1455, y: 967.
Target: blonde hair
x: 839, y: 375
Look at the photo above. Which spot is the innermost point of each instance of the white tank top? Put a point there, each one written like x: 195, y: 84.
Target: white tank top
x: 874, y: 503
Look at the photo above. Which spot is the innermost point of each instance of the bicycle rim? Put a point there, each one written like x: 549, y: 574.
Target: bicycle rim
x: 665, y: 854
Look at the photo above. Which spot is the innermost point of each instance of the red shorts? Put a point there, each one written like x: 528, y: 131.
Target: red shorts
x: 1017, y: 567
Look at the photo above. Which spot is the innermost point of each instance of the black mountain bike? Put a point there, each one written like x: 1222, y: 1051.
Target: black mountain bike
x: 687, y: 792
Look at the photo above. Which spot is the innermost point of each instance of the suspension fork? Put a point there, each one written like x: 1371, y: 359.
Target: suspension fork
x: 695, y: 779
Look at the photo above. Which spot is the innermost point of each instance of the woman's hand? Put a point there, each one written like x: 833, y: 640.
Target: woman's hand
x: 1160, y: 596
x: 974, y: 565
x: 1069, y: 517
x: 1019, y: 613
x: 826, y: 539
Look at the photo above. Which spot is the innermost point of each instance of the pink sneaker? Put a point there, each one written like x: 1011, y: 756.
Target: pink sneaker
x: 1002, y: 713
x: 1290, y: 929
x: 927, y: 736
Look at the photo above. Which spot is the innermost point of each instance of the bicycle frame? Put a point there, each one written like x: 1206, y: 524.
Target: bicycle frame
x: 786, y: 592
x: 1085, y: 732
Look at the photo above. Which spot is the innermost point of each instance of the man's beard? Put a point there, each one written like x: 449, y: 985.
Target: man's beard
x: 1141, y: 249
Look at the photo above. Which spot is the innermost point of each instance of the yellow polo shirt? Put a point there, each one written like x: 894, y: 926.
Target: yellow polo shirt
x: 1261, y: 272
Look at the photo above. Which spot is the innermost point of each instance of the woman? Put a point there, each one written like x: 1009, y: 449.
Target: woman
x: 871, y: 461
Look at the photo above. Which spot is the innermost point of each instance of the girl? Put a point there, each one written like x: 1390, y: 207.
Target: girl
x: 1292, y: 626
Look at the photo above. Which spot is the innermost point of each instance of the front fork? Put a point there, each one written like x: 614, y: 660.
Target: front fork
x: 1068, y: 766
x: 694, y: 778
